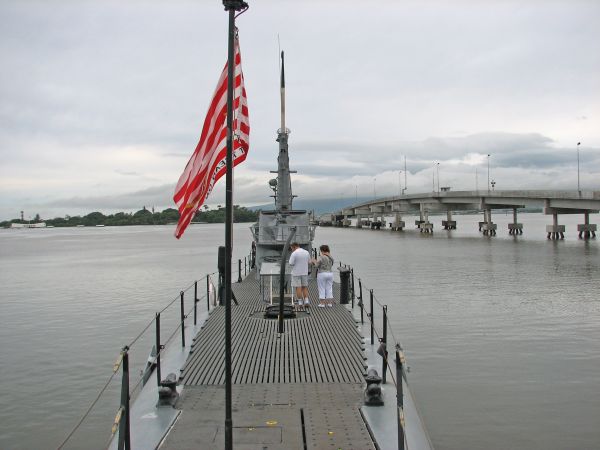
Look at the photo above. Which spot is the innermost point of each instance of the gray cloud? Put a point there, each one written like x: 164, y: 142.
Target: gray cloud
x: 532, y: 151
x: 530, y: 156
x: 129, y: 174
x: 153, y: 196
x: 88, y: 87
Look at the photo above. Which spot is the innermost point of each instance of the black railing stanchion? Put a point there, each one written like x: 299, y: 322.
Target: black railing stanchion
x: 195, y: 302
x: 371, y: 316
x: 362, y: 304
x: 208, y: 292
x: 158, y: 349
x: 124, y: 429
x: 245, y: 265
x: 181, y: 302
x: 400, y: 396
x: 239, y: 270
x: 344, y: 285
x: 384, y: 346
x: 353, y: 293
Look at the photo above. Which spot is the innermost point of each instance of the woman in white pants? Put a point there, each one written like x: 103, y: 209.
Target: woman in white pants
x: 325, y: 277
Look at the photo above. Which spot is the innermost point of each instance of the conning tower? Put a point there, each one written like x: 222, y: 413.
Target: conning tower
x: 273, y: 227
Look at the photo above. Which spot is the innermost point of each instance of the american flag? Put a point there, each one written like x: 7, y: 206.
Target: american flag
x: 207, y: 163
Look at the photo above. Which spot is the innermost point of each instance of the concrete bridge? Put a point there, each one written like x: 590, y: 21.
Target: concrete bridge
x: 554, y: 203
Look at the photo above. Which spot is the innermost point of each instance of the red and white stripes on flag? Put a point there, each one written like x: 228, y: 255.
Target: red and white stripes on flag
x: 208, y: 163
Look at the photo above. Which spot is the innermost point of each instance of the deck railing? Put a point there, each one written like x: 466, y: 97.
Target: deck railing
x: 398, y: 370
x: 121, y: 423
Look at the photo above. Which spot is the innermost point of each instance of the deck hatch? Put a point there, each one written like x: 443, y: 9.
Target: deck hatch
x: 330, y: 411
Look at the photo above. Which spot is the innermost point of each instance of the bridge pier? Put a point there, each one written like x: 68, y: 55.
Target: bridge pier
x: 487, y: 226
x: 423, y: 224
x: 555, y: 231
x: 398, y: 224
x: 449, y: 224
x: 376, y: 224
x: 515, y: 227
x: 358, y: 221
x: 587, y: 230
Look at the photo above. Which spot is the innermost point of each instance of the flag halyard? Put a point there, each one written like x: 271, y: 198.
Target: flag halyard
x: 207, y: 164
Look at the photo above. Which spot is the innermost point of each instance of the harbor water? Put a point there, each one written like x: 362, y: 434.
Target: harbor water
x: 501, y: 333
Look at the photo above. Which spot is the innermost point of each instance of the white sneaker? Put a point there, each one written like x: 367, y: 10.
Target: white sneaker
x: 300, y: 302
x: 321, y: 305
x: 306, y: 302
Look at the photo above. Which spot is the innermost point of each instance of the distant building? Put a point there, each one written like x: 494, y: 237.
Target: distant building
x: 28, y: 225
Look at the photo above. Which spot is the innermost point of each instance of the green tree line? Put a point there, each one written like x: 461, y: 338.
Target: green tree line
x: 143, y: 217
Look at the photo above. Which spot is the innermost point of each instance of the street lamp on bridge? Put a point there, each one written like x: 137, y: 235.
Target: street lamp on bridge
x: 488, y: 172
x: 578, y: 186
x: 400, y: 182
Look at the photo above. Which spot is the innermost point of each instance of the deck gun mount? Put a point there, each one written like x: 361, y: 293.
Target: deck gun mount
x: 273, y: 227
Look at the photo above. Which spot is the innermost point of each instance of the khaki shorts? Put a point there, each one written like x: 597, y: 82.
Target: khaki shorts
x: 299, y: 280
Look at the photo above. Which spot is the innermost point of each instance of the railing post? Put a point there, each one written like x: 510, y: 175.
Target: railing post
x: 371, y: 316
x: 362, y: 304
x: 124, y: 430
x: 239, y: 270
x: 245, y: 265
x: 158, y: 349
x: 344, y: 285
x: 182, y: 319
x: 400, y: 396
x: 208, y: 292
x: 383, y: 346
x: 195, y: 301
x: 353, y: 293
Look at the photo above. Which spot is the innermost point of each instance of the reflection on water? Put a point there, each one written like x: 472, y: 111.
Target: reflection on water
x: 500, y: 333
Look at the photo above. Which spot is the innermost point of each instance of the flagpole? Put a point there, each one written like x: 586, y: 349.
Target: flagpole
x: 231, y: 6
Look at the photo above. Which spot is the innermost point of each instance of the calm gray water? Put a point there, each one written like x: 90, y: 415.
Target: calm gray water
x: 501, y: 333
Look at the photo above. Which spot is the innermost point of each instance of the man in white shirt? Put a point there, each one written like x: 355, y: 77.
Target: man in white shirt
x: 299, y: 261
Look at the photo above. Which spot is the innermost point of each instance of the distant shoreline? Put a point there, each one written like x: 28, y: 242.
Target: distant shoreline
x: 42, y: 225
x: 144, y: 216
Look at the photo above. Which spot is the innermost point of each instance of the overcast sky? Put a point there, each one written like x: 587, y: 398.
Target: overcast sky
x: 102, y: 102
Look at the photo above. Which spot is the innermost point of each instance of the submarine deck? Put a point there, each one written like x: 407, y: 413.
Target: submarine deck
x: 302, y: 389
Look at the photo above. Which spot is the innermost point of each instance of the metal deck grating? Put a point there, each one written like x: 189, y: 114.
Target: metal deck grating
x: 323, y: 347
x: 301, y: 390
